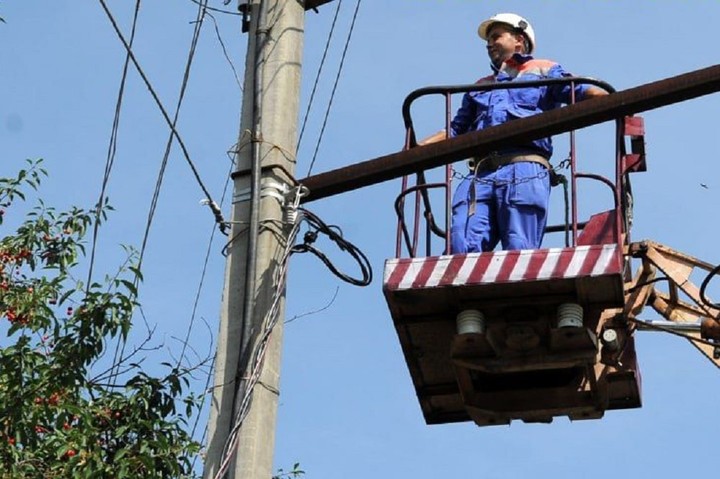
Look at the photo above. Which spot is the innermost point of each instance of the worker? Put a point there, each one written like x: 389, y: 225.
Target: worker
x: 505, y: 196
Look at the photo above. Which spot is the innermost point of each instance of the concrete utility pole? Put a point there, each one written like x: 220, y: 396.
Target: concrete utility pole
x: 265, y: 157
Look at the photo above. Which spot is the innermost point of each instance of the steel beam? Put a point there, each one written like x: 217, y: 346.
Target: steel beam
x: 597, y: 110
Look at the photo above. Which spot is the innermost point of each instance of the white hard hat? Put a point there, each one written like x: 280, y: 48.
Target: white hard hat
x: 513, y: 20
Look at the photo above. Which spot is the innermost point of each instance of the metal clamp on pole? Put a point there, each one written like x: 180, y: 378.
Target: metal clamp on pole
x: 268, y: 187
x: 244, y: 9
x: 292, y: 203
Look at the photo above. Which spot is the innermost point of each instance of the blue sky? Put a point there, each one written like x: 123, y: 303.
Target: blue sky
x: 347, y: 406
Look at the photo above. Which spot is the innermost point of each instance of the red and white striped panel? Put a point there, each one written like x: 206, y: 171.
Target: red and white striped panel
x: 502, y: 267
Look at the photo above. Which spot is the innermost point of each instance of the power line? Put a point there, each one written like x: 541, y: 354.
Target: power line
x: 168, y: 145
x: 156, y: 193
x: 213, y: 206
x: 317, y: 77
x: 219, y: 10
x: 192, y: 322
x: 112, y: 149
x: 204, y: 271
x: 225, y: 52
x: 112, y: 146
x: 337, y: 79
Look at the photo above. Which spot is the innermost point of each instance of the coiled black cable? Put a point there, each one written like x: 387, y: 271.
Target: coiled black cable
x: 317, y: 227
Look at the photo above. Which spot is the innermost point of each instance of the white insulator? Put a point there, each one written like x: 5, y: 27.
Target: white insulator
x: 610, y: 339
x: 290, y: 215
x: 470, y: 321
x: 570, y: 315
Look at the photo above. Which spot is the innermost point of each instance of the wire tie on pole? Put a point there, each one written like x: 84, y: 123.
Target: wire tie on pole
x: 217, y: 212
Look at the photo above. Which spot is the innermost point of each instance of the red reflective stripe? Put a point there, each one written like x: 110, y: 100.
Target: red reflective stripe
x: 536, y: 261
x: 399, y: 270
x: 591, y: 260
x: 501, y: 267
x: 616, y: 262
x: 452, y: 270
x: 511, y: 257
x: 425, y: 271
x: 481, y: 264
x: 563, y: 262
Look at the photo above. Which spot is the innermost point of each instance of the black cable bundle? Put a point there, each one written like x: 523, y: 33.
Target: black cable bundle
x: 704, y: 286
x: 317, y: 226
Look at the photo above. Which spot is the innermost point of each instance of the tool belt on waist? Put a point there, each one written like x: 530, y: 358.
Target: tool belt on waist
x: 493, y: 162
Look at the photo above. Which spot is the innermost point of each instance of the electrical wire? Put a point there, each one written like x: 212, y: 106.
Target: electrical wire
x: 255, y: 365
x: 208, y: 380
x: 258, y: 356
x: 262, y: 33
x: 703, y: 288
x: 319, y: 72
x: 316, y: 311
x: 202, y: 274
x: 224, y: 50
x: 645, y: 283
x: 337, y: 79
x: 168, y: 145
x: 209, y: 377
x: 219, y: 10
x: 335, y: 235
x: 158, y: 185
x: 217, y: 213
x: 112, y: 146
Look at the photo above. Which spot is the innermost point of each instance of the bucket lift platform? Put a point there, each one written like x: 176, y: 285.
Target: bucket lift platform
x: 525, y: 335
x: 483, y: 339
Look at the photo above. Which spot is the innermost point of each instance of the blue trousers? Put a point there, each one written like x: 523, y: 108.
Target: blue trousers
x: 508, y: 205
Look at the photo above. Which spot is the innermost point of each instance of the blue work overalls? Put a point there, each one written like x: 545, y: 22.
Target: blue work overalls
x: 507, y: 205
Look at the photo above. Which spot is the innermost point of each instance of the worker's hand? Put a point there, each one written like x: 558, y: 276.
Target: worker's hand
x: 594, y: 92
x: 439, y: 136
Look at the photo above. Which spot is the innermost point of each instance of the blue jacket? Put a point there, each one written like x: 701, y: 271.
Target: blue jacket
x: 483, y: 109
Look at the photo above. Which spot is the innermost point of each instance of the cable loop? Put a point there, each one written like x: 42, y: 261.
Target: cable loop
x: 703, y: 287
x: 334, y: 233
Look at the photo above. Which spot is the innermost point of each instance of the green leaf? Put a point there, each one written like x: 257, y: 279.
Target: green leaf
x: 65, y: 296
x: 130, y: 286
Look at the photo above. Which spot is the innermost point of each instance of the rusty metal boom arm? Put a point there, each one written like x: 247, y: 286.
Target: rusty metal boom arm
x: 677, y: 269
x: 597, y: 110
